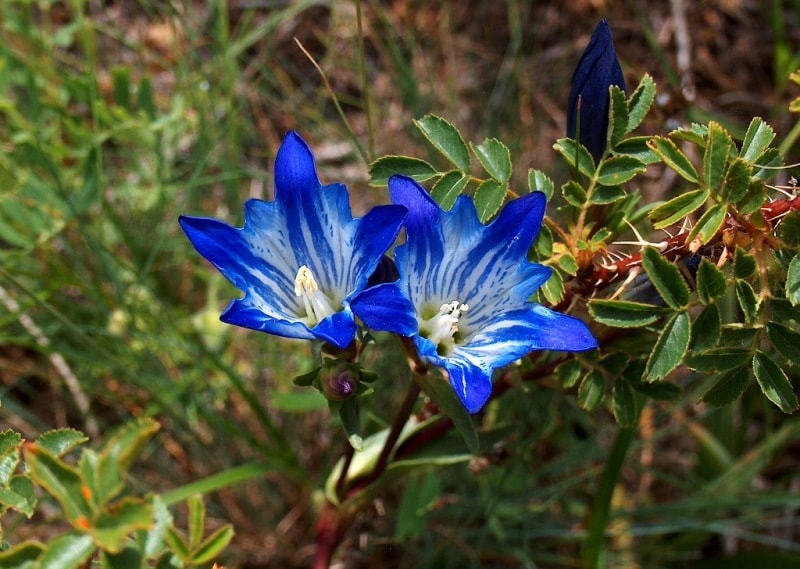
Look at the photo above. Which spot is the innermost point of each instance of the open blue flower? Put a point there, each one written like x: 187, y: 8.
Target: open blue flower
x: 588, y: 101
x: 301, y: 259
x: 464, y: 287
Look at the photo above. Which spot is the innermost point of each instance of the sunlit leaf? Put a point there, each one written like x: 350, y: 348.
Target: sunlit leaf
x: 447, y: 140
x: 773, y: 382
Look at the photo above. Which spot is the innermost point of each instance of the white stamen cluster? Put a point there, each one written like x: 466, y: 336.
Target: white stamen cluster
x: 443, y: 325
x: 317, y: 304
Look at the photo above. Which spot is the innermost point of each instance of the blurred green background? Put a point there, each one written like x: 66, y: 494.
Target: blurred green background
x: 117, y: 116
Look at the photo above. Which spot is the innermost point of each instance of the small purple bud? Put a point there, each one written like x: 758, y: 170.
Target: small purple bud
x: 338, y: 381
x: 587, y: 107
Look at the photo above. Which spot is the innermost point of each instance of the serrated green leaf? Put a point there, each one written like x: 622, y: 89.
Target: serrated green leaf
x: 213, y: 545
x: 624, y: 314
x: 737, y: 181
x: 443, y: 394
x: 706, y: 329
x: 744, y: 265
x: 113, y: 526
x: 696, y: 134
x: 769, y: 160
x: 719, y: 359
x: 603, y: 195
x: 626, y: 409
x: 774, y: 383
x: 128, y: 441
x: 674, y: 158
x: 640, y: 101
x: 793, y: 281
x: 495, y: 157
x: 785, y: 341
x: 489, y: 196
x: 10, y: 440
x: 715, y: 158
x: 22, y: 486
x: 68, y: 551
x: 709, y: 224
x: 447, y: 188
x: 671, y: 346
x: 568, y: 264
x: 661, y: 390
x: 748, y: 301
x: 61, y: 441
x: 569, y: 372
x: 59, y: 480
x: 637, y: 147
x: 573, y: 193
x: 196, y: 520
x: 446, y: 139
x: 387, y: 166
x: 177, y: 544
x: 789, y: 229
x: 538, y: 181
x: 619, y: 169
x: 758, y: 137
x: 667, y: 279
x: 678, y: 208
x: 22, y: 555
x: 576, y: 156
x: 553, y: 288
x: 128, y: 558
x: 728, y: 388
x: 618, y: 116
x: 710, y: 282
x: 591, y: 390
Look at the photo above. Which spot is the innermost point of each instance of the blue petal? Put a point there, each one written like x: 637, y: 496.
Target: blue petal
x: 472, y: 384
x: 511, y: 335
x: 243, y: 260
x: 240, y: 313
x: 385, y: 308
x: 318, y: 218
x: 338, y: 329
x: 376, y: 232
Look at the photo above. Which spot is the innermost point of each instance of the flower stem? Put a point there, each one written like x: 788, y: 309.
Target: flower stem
x: 399, y: 422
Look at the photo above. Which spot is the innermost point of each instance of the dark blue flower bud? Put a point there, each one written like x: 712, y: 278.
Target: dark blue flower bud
x: 587, y: 107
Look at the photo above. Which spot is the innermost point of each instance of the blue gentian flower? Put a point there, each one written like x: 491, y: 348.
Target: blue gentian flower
x: 588, y: 101
x: 464, y: 288
x: 301, y: 259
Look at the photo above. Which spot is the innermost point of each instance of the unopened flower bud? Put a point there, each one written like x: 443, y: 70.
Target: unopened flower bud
x: 587, y: 107
x: 338, y: 381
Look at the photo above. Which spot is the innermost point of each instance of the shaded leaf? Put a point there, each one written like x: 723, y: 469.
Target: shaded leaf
x: 667, y: 279
x: 728, y: 388
x: 793, y: 281
x: 603, y: 195
x: 624, y: 314
x: 710, y: 281
x: 661, y: 390
x: 747, y: 300
x: 774, y: 383
x: 442, y: 393
x: 706, y: 329
x: 538, y: 181
x: 591, y: 391
x: 785, y: 341
x: 387, y: 166
x: 719, y: 359
x: 737, y: 181
x: 670, y: 348
x: 744, y: 265
x: 626, y: 409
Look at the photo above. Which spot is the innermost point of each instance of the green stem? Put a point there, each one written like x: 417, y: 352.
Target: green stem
x: 601, y: 506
